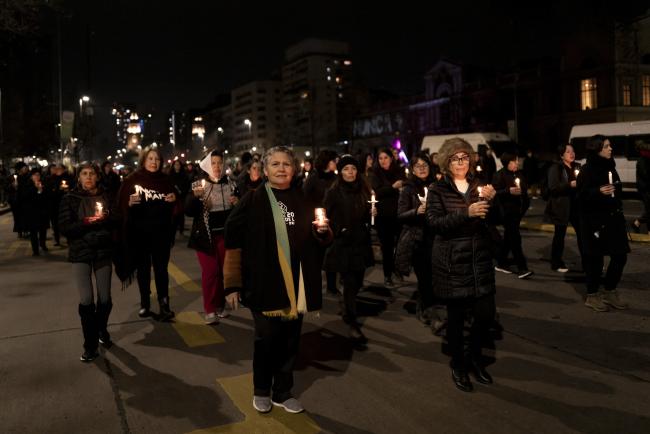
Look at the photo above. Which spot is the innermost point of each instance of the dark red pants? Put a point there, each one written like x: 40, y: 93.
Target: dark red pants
x: 212, y: 275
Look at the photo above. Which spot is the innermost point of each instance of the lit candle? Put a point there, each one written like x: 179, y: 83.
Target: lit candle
x: 518, y: 182
x: 406, y: 171
x: 15, y: 178
x: 480, y: 194
x: 121, y: 177
x: 577, y: 172
x: 611, y: 180
x: 99, y: 208
x: 64, y: 184
x: 372, y: 203
x: 336, y: 172
x: 137, y: 189
x: 479, y: 169
x: 306, y: 174
x: 203, y: 183
x: 320, y: 216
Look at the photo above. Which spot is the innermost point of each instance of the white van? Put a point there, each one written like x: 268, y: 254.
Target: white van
x: 624, y: 137
x: 498, y: 142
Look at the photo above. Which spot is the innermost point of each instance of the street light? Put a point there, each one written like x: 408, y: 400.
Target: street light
x: 249, y: 124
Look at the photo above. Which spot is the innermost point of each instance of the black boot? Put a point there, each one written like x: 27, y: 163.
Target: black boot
x: 479, y: 372
x: 145, y: 305
x: 461, y: 379
x: 89, y: 327
x: 103, y: 312
x: 165, y: 312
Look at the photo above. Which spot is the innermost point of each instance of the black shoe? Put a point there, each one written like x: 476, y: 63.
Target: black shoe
x: 524, y: 274
x: 36, y: 254
x: 388, y: 282
x: 144, y: 312
x: 479, y: 372
x: 105, y: 339
x: 165, y: 312
x: 357, y: 335
x: 461, y: 380
x: 88, y: 356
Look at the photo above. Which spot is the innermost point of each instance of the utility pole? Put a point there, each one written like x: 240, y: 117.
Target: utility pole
x: 58, y: 34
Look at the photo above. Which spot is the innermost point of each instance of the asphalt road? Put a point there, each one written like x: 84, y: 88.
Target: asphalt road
x: 559, y: 367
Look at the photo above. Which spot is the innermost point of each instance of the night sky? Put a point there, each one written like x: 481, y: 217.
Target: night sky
x: 181, y: 54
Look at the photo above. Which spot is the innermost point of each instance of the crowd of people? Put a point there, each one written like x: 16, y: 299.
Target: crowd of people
x: 265, y: 233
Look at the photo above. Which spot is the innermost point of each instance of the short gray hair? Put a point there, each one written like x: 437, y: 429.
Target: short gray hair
x: 275, y: 150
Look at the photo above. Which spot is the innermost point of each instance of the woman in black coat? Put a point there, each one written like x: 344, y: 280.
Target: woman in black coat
x: 463, y: 272
x: 602, y: 224
x: 86, y: 220
x: 35, y: 200
x: 386, y: 180
x: 511, y: 188
x: 350, y: 253
x: 562, y: 207
x: 415, y: 241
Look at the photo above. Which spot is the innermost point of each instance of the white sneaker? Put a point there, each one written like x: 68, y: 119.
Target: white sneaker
x: 262, y: 404
x: 211, y: 318
x: 562, y: 269
x: 222, y: 313
x: 502, y: 270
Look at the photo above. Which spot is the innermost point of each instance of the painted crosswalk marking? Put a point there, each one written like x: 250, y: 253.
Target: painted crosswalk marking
x: 183, y: 279
x: 240, y: 390
x: 192, y: 329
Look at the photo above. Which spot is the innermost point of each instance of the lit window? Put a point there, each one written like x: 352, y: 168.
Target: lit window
x: 627, y: 95
x: 645, y: 90
x: 588, y: 90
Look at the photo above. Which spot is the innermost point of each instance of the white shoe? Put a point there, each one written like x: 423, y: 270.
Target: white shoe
x: 211, y: 318
x: 222, y: 313
x: 502, y: 270
x: 562, y: 270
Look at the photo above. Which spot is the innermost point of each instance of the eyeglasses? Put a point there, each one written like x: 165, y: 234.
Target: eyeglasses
x: 459, y: 160
x: 421, y: 166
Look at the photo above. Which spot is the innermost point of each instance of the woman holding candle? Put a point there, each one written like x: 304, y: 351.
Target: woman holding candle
x: 350, y: 253
x: 562, y: 207
x: 86, y: 221
x: 386, y: 180
x: 602, y: 224
x: 512, y: 193
x: 463, y: 272
x: 415, y: 241
x: 210, y: 204
x: 273, y: 254
x: 146, y: 202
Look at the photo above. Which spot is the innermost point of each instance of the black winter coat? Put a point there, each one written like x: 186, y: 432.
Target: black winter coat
x: 562, y: 197
x: 87, y: 242
x: 316, y: 185
x: 601, y: 221
x: 462, y: 263
x: 382, y: 182
x: 250, y: 228
x: 511, y: 206
x: 415, y: 231
x: 35, y: 205
x: 348, y: 211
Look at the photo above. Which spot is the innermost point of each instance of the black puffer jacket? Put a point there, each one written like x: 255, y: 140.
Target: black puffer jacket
x: 511, y: 206
x: 348, y: 211
x: 415, y: 231
x: 88, y: 242
x: 462, y: 256
x: 601, y: 221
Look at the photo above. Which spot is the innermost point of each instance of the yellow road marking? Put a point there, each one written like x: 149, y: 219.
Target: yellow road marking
x: 182, y: 279
x: 240, y: 390
x: 191, y: 327
x: 11, y: 250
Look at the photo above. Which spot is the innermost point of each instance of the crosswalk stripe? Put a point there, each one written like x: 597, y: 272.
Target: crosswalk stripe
x: 11, y: 250
x: 240, y: 390
x: 182, y: 279
x: 194, y: 331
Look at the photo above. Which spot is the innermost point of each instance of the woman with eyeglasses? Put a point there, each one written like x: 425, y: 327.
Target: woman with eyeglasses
x: 462, y: 269
x: 414, y: 244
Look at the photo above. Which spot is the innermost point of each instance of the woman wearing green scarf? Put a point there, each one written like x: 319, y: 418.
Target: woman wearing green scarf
x: 273, y: 253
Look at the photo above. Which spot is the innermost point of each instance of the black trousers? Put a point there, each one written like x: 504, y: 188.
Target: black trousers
x: 422, y: 269
x: 274, y: 356
x: 54, y: 221
x: 352, y: 283
x: 387, y: 230
x: 557, y: 247
x: 37, y: 236
x: 512, y: 243
x: 153, y: 249
x: 594, y: 269
x: 482, y: 311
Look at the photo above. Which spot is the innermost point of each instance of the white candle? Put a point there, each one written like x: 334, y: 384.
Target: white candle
x: 64, y: 184
x: 478, y: 169
x: 407, y: 171
x: 306, y: 174
x: 372, y: 203
x: 480, y: 192
x: 99, y: 208
x: 320, y: 216
x: 203, y: 183
x: 517, y: 182
x: 336, y: 172
x: 577, y: 172
x: 137, y: 189
x: 611, y: 180
x: 15, y: 178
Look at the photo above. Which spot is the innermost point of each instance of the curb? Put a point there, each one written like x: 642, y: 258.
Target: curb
x: 545, y: 227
